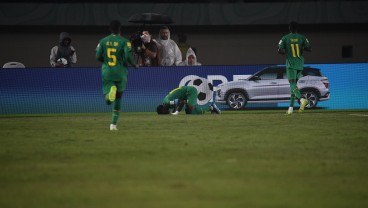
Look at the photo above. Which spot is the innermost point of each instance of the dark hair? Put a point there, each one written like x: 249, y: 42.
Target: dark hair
x: 293, y: 27
x: 188, y: 110
x: 162, y: 109
x: 164, y: 27
x: 115, y: 26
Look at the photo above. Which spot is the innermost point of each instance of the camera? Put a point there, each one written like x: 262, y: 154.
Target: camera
x: 137, y: 42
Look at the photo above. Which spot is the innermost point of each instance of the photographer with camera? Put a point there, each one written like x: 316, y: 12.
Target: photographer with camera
x: 145, y: 48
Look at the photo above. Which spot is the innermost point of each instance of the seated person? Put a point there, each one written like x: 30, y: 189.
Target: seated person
x: 63, y: 55
x: 191, y: 59
x: 184, y: 96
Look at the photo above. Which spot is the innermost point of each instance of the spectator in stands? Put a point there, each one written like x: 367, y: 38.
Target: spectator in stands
x: 63, y: 55
x: 150, y: 54
x: 191, y: 59
x: 169, y: 51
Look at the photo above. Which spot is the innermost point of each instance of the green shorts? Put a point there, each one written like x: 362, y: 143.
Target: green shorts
x: 107, y: 84
x: 293, y: 74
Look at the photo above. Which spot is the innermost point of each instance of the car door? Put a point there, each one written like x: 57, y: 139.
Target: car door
x: 264, y: 85
x: 284, y: 86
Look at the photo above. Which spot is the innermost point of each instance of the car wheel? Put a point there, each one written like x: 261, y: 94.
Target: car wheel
x: 312, y: 98
x: 236, y: 100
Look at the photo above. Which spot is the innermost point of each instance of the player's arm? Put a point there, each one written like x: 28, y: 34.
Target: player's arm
x: 181, y: 105
x: 99, y: 53
x: 178, y: 106
x: 281, y: 51
x: 129, y: 55
x: 307, y: 46
x: 281, y: 47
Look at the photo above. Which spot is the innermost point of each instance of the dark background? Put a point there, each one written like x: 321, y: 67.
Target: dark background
x: 223, y: 32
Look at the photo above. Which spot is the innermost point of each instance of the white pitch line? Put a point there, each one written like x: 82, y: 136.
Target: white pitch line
x: 358, y: 114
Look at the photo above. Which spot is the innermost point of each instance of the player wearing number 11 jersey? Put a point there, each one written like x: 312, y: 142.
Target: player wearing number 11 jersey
x: 115, y: 53
x: 293, y: 45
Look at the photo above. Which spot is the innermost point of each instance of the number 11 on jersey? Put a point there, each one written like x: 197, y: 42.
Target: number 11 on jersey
x: 295, y: 50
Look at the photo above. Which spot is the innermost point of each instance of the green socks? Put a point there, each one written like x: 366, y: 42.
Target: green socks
x: 292, y: 100
x: 295, y: 90
x: 116, y: 111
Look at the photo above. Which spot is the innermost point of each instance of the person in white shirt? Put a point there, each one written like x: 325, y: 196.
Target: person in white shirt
x: 169, y: 51
x: 63, y: 55
x: 191, y: 59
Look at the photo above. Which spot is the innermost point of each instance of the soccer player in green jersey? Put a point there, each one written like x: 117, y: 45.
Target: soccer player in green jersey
x: 185, y: 95
x: 115, y: 52
x: 293, y: 45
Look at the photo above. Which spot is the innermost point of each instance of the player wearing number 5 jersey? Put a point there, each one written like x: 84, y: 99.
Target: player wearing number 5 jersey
x: 293, y: 45
x: 115, y: 53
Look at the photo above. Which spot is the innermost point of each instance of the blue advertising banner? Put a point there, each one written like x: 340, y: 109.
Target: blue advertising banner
x: 79, y: 90
x: 348, y: 85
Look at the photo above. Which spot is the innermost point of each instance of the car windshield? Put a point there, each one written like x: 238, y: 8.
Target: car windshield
x: 275, y: 73
x: 268, y: 73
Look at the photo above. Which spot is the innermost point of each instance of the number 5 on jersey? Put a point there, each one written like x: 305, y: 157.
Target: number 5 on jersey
x: 112, y: 57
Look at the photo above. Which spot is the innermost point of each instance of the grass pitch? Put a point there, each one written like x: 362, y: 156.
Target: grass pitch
x: 237, y: 159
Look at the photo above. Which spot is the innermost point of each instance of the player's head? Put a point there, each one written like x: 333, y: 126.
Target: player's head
x: 162, y: 109
x: 189, y: 109
x: 293, y: 27
x: 115, y: 26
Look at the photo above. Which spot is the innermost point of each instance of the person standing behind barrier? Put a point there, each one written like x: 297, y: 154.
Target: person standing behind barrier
x: 170, y: 54
x: 63, y: 55
x: 293, y: 45
x: 191, y: 59
x: 115, y: 52
x: 150, y: 56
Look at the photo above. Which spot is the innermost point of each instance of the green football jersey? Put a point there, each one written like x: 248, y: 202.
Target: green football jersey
x: 294, y: 45
x: 115, y: 52
x: 187, y: 93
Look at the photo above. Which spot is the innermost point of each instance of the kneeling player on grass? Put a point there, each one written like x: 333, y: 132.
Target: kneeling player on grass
x: 185, y: 96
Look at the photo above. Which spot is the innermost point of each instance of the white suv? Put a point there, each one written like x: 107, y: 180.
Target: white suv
x: 270, y: 85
